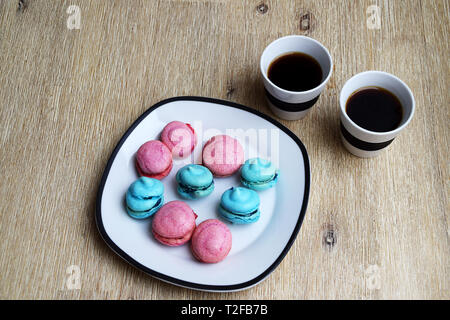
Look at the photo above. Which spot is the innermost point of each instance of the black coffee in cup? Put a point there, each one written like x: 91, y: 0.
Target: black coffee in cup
x: 295, y: 71
x: 375, y: 109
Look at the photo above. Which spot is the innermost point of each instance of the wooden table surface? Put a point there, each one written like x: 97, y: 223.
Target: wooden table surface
x: 374, y: 229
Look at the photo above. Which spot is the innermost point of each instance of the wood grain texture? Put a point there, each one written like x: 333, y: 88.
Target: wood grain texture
x: 374, y: 229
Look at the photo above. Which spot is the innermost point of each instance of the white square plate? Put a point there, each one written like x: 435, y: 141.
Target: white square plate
x: 257, y: 248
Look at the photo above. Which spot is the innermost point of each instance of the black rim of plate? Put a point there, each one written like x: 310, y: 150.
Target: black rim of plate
x: 192, y: 285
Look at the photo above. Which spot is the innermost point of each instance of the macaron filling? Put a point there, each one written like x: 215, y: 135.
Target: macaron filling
x: 249, y: 183
x: 173, y: 241
x: 242, y: 214
x: 189, y: 189
x: 145, y: 213
x: 156, y: 175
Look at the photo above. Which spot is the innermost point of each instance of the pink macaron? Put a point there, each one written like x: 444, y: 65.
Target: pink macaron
x: 180, y: 138
x: 174, y: 223
x: 154, y: 160
x: 211, y: 241
x: 223, y: 155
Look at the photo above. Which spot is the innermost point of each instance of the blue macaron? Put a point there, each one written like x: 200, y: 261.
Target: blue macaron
x: 144, y: 197
x: 194, y: 181
x: 259, y: 174
x: 240, y: 205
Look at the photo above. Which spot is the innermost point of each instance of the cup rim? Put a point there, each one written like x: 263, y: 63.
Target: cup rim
x: 375, y: 133
x: 298, y: 37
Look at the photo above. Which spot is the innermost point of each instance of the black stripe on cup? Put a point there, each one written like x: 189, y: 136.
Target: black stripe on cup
x: 292, y: 107
x: 363, y: 145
